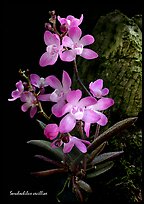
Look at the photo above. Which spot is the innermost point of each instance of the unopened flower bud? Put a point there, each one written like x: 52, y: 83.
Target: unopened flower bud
x: 48, y: 26
x: 63, y: 28
x: 58, y: 143
x: 65, y: 139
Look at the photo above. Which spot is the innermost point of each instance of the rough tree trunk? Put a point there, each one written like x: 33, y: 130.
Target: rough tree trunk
x: 118, y: 41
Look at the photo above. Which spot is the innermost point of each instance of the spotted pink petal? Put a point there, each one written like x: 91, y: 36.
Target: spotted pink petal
x: 86, y: 40
x: 51, y: 131
x: 66, y: 81
x: 75, y: 34
x: 67, y: 56
x: 35, y: 79
x: 74, y: 96
x: 88, y: 54
x: 33, y: 111
x: 67, y: 124
x: 87, y: 101
x: 103, y: 104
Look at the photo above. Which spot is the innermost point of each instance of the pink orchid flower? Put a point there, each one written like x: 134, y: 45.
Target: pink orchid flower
x: 76, y: 110
x: 76, y: 45
x: 100, y: 105
x: 52, y: 51
x: 59, y: 94
x: 39, y: 82
x: 30, y: 102
x: 70, y: 21
x: 17, y: 93
x: 51, y: 132
x: 96, y: 88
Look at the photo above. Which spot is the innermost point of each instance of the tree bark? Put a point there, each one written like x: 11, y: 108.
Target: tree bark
x: 118, y: 41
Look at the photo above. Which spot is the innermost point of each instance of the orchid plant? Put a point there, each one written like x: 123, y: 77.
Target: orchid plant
x: 76, y: 150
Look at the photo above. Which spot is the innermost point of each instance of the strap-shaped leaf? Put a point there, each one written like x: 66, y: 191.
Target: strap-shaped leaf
x: 105, y: 157
x: 46, y: 145
x: 49, y: 172
x: 85, y: 186
x: 97, y: 151
x: 42, y: 124
x: 100, y: 169
x: 112, y: 131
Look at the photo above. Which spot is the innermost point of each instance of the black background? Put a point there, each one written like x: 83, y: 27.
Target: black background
x: 23, y: 28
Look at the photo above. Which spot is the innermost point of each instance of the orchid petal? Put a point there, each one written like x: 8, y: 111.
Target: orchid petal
x: 50, y: 38
x: 67, y: 56
x: 98, y: 84
x: 75, y: 34
x: 74, y: 96
x: 103, y: 104
x: 90, y: 116
x: 67, y: 41
x: 87, y: 128
x: 88, y: 54
x: 47, y: 59
x: 67, y: 124
x: 57, y: 109
x: 86, y: 40
x: 80, y: 145
x: 105, y: 91
x: 35, y: 79
x: 44, y: 97
x: 20, y: 86
x: 25, y: 107
x: 87, y: 101
x: 51, y: 131
x: 54, y: 82
x: 67, y: 108
x: 66, y: 81
x: 103, y: 119
x: 68, y: 147
x: 33, y: 111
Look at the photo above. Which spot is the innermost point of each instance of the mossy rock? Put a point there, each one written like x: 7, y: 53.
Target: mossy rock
x: 118, y: 41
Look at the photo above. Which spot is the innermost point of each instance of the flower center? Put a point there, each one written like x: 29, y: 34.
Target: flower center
x: 52, y: 49
x: 78, y: 48
x: 77, y: 112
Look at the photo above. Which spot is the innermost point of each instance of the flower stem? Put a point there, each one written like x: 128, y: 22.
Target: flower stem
x: 97, y: 131
x: 42, y: 111
x: 78, y: 78
x: 66, y: 182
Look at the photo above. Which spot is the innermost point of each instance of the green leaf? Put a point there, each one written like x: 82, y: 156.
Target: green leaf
x: 85, y: 186
x: 46, y: 145
x: 97, y: 151
x: 49, y: 172
x: 105, y: 157
x: 112, y: 131
x: 42, y: 125
x: 100, y: 169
